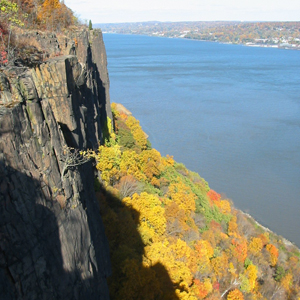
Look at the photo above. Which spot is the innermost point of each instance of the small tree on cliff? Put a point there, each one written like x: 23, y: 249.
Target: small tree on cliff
x: 90, y: 25
x: 9, y: 13
x: 72, y: 158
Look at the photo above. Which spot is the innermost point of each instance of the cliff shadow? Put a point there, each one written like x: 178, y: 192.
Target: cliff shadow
x: 99, y: 92
x: 131, y: 278
x: 89, y: 121
x: 41, y: 245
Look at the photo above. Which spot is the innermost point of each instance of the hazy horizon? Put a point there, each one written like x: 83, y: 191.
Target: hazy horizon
x: 116, y: 11
x: 184, y: 21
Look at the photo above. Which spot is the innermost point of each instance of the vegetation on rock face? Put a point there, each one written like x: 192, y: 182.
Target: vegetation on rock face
x: 172, y: 237
x: 17, y: 17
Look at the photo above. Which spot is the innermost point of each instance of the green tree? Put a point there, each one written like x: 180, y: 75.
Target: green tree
x: 90, y: 25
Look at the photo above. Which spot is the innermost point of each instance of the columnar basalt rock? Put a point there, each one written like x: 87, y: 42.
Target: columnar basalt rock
x: 52, y: 241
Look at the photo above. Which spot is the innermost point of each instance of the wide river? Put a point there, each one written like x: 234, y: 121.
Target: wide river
x: 229, y: 112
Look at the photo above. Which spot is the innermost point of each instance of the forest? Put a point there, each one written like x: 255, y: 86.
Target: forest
x: 172, y: 237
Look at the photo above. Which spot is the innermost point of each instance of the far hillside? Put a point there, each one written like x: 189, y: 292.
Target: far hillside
x: 268, y: 34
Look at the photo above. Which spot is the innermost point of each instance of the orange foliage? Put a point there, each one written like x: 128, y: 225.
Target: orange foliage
x: 204, y: 252
x: 179, y: 223
x: 123, y: 116
x: 264, y: 238
x: 202, y: 289
x: 55, y: 15
x: 239, y: 250
x: 235, y: 295
x: 204, y: 248
x: 273, y: 254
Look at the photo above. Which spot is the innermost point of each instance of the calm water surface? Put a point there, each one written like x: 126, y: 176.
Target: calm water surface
x: 230, y: 113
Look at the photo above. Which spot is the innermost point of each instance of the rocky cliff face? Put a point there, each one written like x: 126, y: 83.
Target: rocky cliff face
x: 52, y: 241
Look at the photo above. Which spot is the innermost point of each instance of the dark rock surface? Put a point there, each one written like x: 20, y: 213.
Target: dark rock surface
x: 52, y: 241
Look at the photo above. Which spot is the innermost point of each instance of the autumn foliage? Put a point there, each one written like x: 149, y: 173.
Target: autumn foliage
x: 172, y: 237
x: 19, y: 18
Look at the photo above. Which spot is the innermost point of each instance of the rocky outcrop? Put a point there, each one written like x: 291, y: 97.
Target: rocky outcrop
x: 52, y: 241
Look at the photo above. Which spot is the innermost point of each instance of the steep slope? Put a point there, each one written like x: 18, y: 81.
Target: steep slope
x: 52, y: 241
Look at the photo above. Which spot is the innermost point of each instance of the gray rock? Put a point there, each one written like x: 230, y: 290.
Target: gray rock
x: 52, y: 240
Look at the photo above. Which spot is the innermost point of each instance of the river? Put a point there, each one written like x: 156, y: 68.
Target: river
x: 229, y: 112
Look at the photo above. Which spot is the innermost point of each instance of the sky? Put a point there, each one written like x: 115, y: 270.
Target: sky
x: 118, y: 11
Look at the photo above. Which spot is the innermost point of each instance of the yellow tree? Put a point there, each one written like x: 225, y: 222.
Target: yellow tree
x: 251, y: 273
x: 130, y: 165
x: 202, y: 289
x: 220, y: 265
x: 137, y: 132
x: 235, y: 295
x: 179, y: 272
x: 152, y: 222
x: 150, y: 163
x: 183, y: 196
x: 255, y: 246
x: 52, y: 13
x: 204, y: 252
x: 108, y: 163
x: 232, y: 227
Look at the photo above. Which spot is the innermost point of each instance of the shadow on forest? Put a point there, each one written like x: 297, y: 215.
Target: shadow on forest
x: 131, y: 279
x: 37, y: 238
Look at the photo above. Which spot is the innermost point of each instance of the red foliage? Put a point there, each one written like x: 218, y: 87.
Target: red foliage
x: 216, y: 285
x: 3, y: 29
x: 214, y: 197
x: 3, y: 57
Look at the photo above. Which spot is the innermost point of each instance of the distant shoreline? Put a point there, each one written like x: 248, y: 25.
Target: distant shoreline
x: 219, y: 42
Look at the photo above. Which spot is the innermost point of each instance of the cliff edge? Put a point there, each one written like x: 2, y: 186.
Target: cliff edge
x: 52, y: 241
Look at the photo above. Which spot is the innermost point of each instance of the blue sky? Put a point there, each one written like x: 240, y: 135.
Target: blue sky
x: 117, y: 11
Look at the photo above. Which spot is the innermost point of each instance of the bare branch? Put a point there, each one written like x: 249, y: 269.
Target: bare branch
x: 72, y: 157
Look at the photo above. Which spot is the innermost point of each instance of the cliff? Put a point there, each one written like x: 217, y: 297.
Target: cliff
x: 52, y: 241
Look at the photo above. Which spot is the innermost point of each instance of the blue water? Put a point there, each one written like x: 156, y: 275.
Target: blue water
x: 229, y: 112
